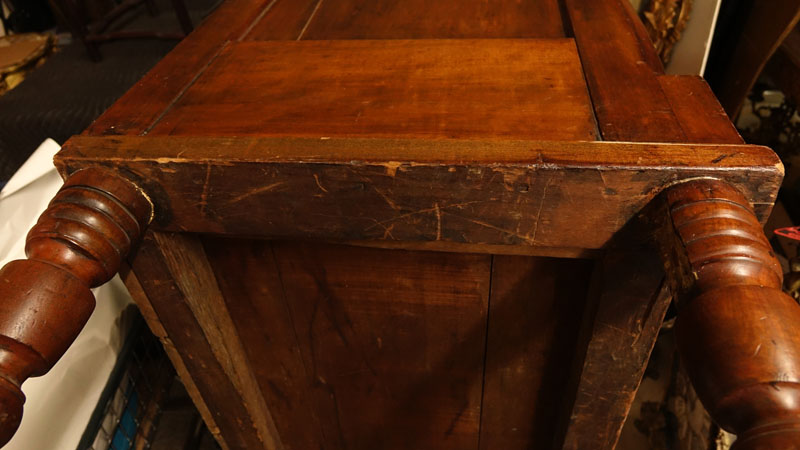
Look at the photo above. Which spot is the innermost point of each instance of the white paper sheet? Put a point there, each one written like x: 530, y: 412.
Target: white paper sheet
x: 60, y: 403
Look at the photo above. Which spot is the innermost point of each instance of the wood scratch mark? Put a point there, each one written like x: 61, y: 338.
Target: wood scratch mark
x: 387, y: 199
x: 204, y: 194
x: 758, y: 349
x: 438, y: 222
x: 602, y: 178
x: 421, y: 211
x: 539, y: 210
x: 526, y: 239
x: 316, y: 178
x: 255, y: 191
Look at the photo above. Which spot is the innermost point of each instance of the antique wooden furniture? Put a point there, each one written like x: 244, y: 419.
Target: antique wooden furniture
x: 432, y: 225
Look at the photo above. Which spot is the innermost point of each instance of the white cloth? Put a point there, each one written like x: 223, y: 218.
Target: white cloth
x: 60, y: 403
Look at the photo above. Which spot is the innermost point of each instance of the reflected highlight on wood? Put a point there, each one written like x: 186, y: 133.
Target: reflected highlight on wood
x: 45, y: 300
x: 738, y: 333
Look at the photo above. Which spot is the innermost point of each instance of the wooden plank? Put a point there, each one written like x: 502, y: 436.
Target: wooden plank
x: 530, y: 89
x: 482, y: 192
x: 700, y: 115
x: 136, y: 111
x: 253, y: 291
x: 421, y: 19
x: 188, y: 300
x: 621, y: 324
x: 393, y: 342
x: 621, y: 67
x: 134, y: 286
x: 532, y: 334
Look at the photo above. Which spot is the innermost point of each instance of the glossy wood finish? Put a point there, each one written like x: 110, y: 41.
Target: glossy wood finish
x: 78, y: 243
x: 738, y: 333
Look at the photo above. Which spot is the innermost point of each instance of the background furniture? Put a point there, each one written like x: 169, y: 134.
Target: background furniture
x: 411, y: 225
x: 90, y: 33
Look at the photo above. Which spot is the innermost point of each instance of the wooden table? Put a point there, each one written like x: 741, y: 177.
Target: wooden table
x: 410, y: 224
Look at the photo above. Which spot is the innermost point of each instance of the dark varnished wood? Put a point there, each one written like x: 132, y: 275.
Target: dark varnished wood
x: 736, y: 330
x: 544, y: 194
x: 77, y: 244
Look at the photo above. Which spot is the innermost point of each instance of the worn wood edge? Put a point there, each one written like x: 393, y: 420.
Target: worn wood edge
x: 206, y: 302
x: 151, y: 318
x: 393, y: 153
x: 592, y: 419
x: 459, y: 247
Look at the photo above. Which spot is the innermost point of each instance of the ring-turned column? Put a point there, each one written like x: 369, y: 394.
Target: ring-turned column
x: 737, y: 332
x: 78, y: 243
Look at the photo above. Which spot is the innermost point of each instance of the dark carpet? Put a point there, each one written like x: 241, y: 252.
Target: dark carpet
x: 63, y: 96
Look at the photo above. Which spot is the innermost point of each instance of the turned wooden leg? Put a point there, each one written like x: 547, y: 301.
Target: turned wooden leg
x: 737, y: 332
x: 78, y: 243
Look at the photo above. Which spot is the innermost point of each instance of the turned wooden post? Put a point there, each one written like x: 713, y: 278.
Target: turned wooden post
x: 737, y: 332
x: 45, y: 300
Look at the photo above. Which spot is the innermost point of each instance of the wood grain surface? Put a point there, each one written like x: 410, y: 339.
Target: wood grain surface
x: 527, y: 89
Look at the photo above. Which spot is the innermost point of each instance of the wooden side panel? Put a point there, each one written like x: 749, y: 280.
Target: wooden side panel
x: 524, y: 89
x: 701, y: 117
x: 534, y: 319
x: 420, y: 19
x: 362, y: 348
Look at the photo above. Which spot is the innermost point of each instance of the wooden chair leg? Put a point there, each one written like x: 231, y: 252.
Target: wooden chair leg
x: 78, y: 243
x: 738, y: 333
